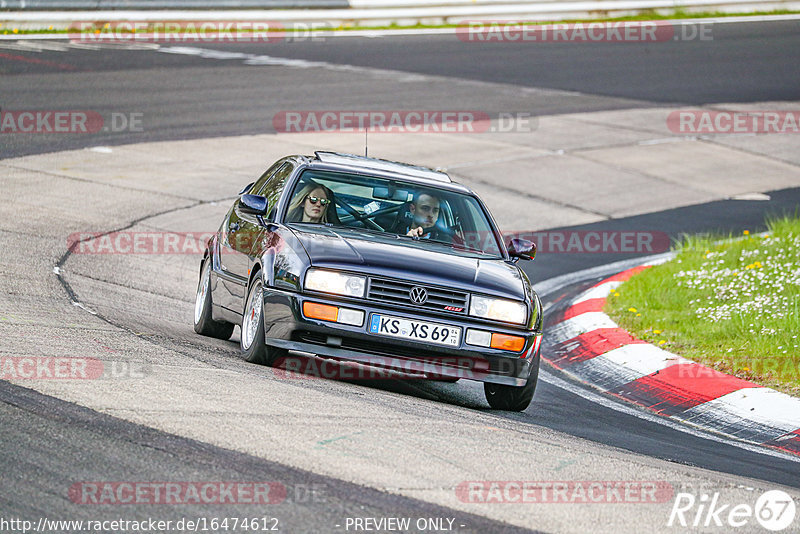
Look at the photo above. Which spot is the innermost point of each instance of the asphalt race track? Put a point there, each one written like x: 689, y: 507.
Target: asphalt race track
x: 341, y: 449
x: 744, y: 63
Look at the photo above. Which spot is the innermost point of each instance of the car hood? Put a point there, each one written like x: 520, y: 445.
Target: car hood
x: 405, y: 259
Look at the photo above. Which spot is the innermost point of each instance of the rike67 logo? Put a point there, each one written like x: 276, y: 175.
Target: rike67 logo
x: 774, y: 510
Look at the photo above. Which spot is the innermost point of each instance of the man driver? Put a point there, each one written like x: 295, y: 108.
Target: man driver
x: 424, y: 210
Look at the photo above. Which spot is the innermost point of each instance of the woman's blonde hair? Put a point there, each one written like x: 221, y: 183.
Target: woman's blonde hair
x: 295, y: 213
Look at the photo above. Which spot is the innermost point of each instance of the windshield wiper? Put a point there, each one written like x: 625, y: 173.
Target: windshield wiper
x: 454, y: 246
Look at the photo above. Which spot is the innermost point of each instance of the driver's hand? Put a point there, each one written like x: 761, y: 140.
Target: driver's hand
x: 415, y: 232
x: 458, y: 237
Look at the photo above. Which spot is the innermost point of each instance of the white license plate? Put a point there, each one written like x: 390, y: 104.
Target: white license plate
x: 386, y: 325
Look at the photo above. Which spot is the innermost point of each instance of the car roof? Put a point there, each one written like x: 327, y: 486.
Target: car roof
x: 383, y: 168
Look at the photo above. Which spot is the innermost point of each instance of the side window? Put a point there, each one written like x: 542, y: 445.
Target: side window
x: 262, y: 180
x: 274, y: 186
x: 446, y: 213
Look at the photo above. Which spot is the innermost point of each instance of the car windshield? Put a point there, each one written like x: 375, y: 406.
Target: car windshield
x: 393, y: 208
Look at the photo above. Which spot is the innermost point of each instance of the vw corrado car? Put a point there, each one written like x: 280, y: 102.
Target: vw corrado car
x: 371, y: 261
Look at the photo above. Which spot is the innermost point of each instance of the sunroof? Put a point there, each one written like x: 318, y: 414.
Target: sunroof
x: 382, y: 164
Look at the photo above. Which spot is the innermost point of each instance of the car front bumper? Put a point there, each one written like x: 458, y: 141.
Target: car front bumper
x: 286, y: 327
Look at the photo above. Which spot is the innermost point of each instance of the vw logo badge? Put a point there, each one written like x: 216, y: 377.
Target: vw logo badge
x: 418, y: 295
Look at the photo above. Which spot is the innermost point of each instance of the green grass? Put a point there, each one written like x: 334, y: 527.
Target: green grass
x: 732, y: 304
x: 9, y: 29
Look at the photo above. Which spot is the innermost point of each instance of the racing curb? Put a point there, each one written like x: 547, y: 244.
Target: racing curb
x: 589, y: 346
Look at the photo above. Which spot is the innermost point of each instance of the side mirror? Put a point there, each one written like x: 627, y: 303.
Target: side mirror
x: 522, y: 248
x: 253, y: 204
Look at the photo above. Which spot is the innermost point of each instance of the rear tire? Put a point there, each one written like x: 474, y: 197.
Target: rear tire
x: 254, y: 349
x: 513, y: 398
x: 204, y: 324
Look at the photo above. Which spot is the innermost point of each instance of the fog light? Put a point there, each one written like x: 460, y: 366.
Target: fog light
x: 478, y: 338
x: 351, y: 317
x: 506, y: 342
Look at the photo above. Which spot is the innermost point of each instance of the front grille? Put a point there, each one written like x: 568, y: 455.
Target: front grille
x: 439, y: 299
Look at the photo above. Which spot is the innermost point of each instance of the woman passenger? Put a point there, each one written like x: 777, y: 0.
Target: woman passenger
x: 311, y: 204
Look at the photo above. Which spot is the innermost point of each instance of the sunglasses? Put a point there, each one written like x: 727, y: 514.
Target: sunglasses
x: 323, y: 201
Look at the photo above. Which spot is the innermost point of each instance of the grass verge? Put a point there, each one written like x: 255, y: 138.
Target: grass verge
x: 732, y: 304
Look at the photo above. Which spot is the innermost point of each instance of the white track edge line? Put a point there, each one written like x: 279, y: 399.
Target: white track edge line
x: 552, y: 284
x: 681, y: 426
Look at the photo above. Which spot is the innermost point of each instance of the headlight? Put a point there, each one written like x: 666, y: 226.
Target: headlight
x: 335, y: 282
x: 498, y: 309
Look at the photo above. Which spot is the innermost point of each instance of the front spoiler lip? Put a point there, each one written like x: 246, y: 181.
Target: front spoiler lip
x: 370, y: 359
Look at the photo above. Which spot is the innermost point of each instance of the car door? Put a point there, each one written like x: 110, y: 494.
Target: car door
x: 251, y: 233
x: 278, y: 249
x: 236, y: 239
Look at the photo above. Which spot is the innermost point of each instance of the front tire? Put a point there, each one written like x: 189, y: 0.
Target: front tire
x: 254, y: 349
x: 204, y: 324
x: 513, y: 398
